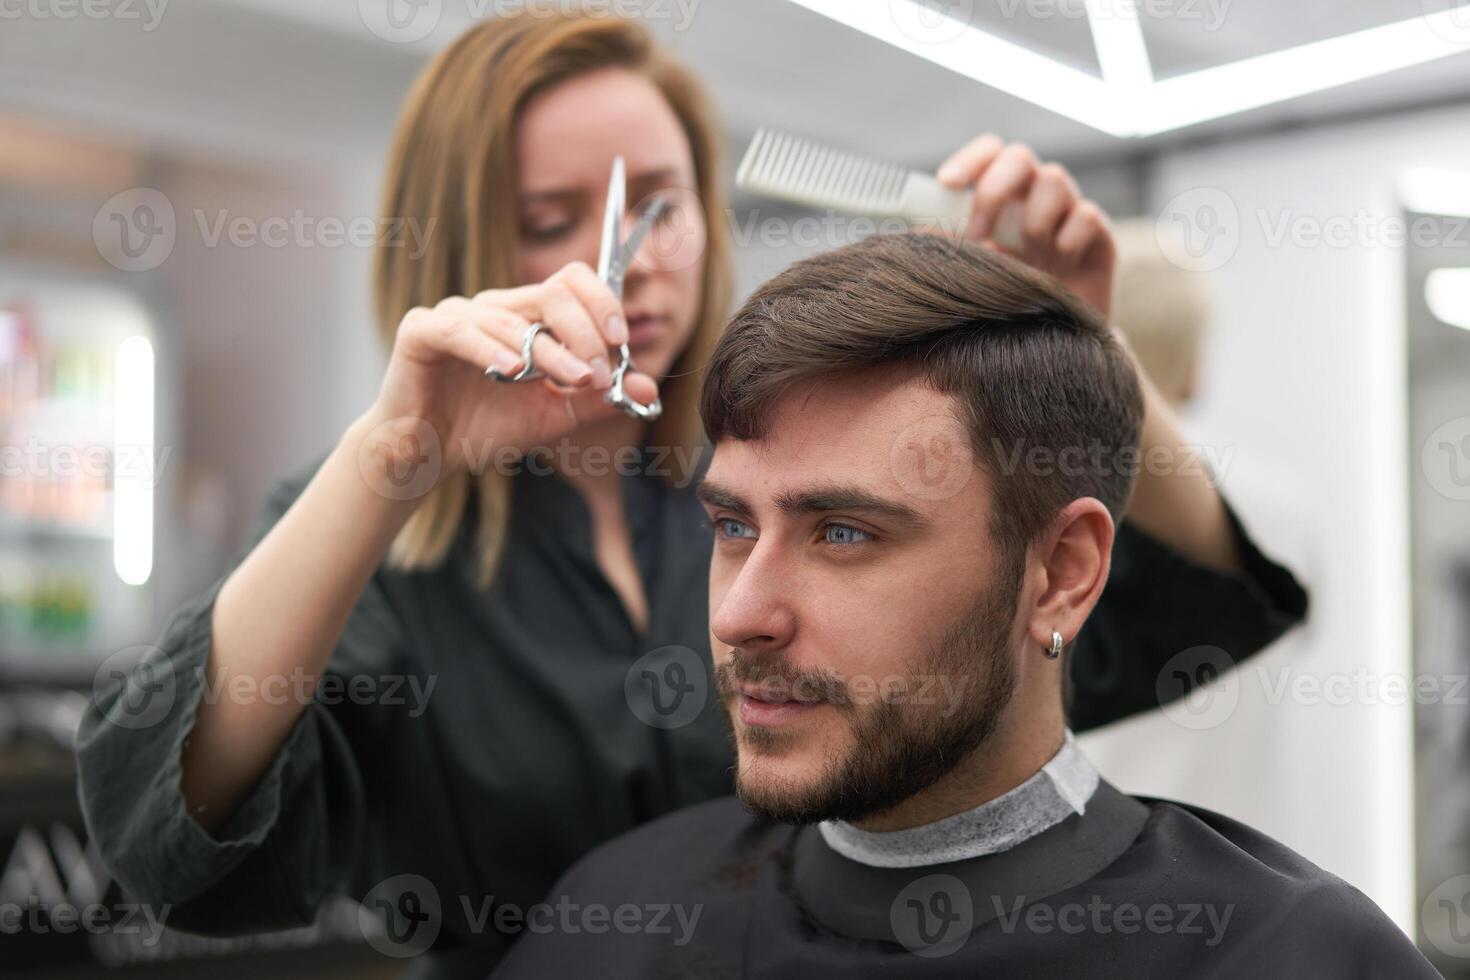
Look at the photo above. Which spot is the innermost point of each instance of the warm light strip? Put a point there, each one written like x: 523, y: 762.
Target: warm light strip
x: 1127, y: 101
x: 132, y: 510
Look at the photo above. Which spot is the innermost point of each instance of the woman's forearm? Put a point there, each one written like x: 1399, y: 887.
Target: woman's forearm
x: 1174, y: 496
x: 279, y: 616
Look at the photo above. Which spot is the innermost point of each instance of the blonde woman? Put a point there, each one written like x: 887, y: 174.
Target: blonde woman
x: 480, y: 576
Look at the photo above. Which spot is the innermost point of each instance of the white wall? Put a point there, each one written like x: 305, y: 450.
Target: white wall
x: 1304, y: 381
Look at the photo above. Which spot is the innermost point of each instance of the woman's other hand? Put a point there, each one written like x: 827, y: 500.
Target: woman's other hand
x: 1059, y: 231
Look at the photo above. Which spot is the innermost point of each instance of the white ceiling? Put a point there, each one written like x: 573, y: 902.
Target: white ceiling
x: 287, y: 79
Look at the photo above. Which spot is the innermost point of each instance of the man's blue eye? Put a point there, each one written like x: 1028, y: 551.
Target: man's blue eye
x: 843, y: 534
x: 728, y: 528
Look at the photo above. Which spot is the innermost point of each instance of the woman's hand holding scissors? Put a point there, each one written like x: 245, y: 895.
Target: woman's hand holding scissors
x: 554, y: 337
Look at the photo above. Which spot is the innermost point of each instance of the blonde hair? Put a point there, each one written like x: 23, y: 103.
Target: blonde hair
x: 454, y: 160
x: 1162, y: 307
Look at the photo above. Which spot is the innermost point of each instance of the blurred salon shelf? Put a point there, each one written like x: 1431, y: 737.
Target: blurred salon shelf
x: 77, y: 415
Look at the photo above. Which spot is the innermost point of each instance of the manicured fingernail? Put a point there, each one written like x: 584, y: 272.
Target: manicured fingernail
x: 580, y: 372
x: 506, y: 363
x: 617, y: 330
x: 978, y: 228
x: 950, y: 172
x: 601, y: 373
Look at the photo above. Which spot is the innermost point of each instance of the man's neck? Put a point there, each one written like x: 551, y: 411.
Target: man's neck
x: 1012, y: 755
x: 1060, y: 790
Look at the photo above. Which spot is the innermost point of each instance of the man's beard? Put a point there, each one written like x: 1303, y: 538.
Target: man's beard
x: 898, y: 748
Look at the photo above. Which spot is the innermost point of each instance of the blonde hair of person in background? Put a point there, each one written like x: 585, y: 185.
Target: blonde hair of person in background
x: 1162, y: 307
x: 453, y: 169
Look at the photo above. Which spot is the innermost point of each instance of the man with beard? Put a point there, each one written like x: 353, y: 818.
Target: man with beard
x: 922, y: 449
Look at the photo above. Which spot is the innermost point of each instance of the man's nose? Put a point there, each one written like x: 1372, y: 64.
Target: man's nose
x: 756, y: 612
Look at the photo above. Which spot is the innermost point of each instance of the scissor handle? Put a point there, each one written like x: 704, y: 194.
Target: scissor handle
x: 638, y: 410
x: 616, y: 395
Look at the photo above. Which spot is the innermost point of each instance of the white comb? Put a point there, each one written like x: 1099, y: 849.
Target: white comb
x: 789, y: 168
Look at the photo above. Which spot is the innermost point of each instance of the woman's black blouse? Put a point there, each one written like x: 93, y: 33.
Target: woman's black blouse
x: 551, y: 724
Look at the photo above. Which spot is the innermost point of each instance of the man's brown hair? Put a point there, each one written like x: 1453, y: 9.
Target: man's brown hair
x: 1049, y: 397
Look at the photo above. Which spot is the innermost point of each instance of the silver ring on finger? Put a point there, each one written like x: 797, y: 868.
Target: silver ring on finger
x: 528, y: 369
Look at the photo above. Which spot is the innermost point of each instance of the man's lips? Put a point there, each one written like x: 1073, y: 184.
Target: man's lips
x: 760, y: 706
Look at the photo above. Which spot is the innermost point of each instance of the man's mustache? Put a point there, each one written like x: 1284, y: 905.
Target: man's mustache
x: 777, y: 681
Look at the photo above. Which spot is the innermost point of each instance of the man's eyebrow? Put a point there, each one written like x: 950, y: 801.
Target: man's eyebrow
x: 817, y: 500
x: 822, y: 499
x: 719, y: 497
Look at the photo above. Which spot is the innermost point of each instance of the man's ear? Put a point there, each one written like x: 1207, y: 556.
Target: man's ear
x: 1075, y: 557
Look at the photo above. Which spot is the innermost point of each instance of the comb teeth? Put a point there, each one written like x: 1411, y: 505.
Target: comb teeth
x: 794, y: 169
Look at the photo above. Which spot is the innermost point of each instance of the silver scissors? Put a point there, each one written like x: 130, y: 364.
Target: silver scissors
x: 612, y: 268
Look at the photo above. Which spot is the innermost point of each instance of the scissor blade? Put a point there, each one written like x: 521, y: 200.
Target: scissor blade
x: 618, y: 271
x: 640, y: 231
x: 612, y: 218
